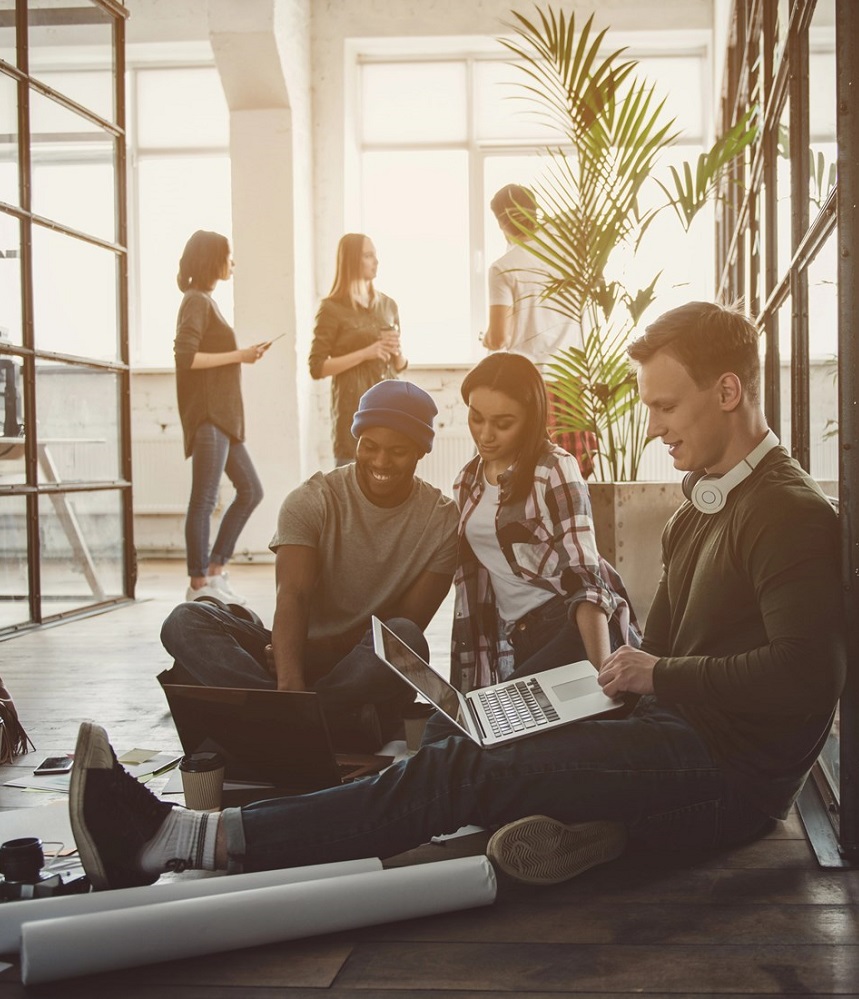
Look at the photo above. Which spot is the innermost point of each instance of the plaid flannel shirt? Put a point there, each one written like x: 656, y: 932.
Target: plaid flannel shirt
x: 547, y: 538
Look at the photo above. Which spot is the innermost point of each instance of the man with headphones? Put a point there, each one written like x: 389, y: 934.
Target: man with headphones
x: 736, y: 682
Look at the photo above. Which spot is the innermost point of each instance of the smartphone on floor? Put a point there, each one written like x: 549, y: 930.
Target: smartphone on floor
x: 54, y: 765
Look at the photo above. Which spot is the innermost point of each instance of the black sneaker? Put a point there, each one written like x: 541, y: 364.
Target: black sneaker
x: 538, y: 850
x: 112, y: 815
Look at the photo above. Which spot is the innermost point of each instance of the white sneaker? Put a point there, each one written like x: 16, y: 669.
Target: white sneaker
x: 222, y: 583
x: 207, y: 592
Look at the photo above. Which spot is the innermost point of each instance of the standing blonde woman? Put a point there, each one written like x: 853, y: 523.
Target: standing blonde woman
x: 356, y: 341
x: 208, y: 387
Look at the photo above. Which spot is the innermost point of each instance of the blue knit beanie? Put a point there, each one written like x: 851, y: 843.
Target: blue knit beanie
x: 399, y: 406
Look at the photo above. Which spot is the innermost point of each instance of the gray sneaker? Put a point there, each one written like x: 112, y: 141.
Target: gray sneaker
x: 112, y: 815
x: 538, y: 850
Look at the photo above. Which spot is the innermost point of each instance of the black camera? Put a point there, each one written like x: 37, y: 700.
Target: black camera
x: 22, y: 873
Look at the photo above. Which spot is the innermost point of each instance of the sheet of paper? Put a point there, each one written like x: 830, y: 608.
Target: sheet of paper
x: 55, y: 949
x: 49, y: 822
x: 60, y: 782
x: 137, y: 756
x: 462, y: 831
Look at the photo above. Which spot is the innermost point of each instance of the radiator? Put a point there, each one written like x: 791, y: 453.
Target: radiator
x: 161, y: 475
x: 450, y: 452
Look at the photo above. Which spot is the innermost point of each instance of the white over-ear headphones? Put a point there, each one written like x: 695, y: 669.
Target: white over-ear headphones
x: 709, y: 493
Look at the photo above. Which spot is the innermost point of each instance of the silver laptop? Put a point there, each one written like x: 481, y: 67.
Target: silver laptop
x: 505, y: 711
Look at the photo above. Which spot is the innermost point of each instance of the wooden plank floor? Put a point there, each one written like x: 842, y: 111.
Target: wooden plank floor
x: 763, y: 920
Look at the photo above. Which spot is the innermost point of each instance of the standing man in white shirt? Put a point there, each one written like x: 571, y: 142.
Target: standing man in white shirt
x: 519, y: 319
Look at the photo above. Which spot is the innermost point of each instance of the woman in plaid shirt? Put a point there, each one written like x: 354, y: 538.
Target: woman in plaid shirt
x: 532, y: 591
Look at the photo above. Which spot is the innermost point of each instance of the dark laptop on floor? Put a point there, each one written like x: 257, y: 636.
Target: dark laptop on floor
x: 504, y: 711
x: 271, y: 736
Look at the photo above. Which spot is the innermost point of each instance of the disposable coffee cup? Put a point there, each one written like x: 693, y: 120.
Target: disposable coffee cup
x: 202, y: 780
x: 415, y: 719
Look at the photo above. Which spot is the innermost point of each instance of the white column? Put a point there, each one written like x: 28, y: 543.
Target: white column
x: 261, y: 50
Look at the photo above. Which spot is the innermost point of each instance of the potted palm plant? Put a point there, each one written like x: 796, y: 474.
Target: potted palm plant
x: 594, y: 198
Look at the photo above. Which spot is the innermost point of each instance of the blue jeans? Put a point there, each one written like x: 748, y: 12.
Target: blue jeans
x: 212, y: 454
x: 650, y: 770
x: 220, y: 649
x: 547, y: 638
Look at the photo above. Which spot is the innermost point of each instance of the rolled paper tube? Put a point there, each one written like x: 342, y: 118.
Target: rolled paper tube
x: 12, y: 917
x: 106, y: 941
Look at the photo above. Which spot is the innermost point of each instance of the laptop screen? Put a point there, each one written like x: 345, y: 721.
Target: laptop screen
x: 419, y: 674
x: 263, y: 735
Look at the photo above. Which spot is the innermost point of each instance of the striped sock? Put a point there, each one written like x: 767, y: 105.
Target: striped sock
x: 185, y: 841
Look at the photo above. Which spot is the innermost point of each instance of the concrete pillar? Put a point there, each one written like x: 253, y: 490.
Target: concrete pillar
x: 261, y: 49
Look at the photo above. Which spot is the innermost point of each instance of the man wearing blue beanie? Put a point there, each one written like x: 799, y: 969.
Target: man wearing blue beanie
x: 365, y: 538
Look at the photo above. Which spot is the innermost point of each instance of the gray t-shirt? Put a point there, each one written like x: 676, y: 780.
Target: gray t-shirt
x: 368, y: 555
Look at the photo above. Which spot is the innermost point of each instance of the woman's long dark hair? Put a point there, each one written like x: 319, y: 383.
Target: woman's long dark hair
x: 520, y: 379
x: 202, y: 261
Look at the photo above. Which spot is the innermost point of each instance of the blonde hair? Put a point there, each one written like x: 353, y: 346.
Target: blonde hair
x: 349, y: 272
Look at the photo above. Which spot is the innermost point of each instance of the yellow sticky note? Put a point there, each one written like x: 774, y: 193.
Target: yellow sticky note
x: 137, y: 755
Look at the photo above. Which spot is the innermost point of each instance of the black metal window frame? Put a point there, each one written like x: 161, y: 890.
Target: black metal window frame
x: 746, y: 220
x: 27, y: 352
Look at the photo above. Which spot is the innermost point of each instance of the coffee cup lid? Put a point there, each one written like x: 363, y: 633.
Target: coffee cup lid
x: 201, y: 762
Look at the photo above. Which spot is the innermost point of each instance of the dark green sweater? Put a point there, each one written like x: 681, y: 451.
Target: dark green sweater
x: 748, y: 622
x: 340, y: 330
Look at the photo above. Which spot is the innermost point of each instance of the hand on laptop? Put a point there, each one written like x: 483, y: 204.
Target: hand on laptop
x: 627, y: 671
x: 296, y: 683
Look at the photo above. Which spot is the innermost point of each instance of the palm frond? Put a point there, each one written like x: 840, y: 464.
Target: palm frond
x: 591, y: 200
x: 690, y: 193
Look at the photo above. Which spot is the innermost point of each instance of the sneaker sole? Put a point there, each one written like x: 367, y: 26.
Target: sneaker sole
x: 245, y: 613
x: 541, y: 851
x: 88, y: 755
x: 209, y: 599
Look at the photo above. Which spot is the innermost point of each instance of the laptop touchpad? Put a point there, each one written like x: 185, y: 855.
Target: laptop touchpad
x: 577, y: 688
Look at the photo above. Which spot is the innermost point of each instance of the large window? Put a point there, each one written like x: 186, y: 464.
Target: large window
x: 437, y: 134
x: 179, y: 182
x: 782, y: 249
x: 65, y: 494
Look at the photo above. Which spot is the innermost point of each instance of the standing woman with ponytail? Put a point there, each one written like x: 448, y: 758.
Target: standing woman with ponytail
x: 208, y: 387
x: 356, y: 340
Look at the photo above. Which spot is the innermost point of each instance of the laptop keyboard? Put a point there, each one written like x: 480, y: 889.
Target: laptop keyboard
x: 517, y: 707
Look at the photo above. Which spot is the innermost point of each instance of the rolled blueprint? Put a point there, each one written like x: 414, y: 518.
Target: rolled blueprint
x: 14, y: 915
x: 106, y: 941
